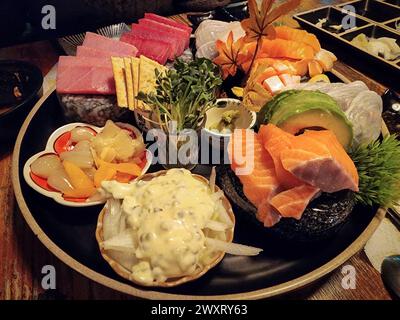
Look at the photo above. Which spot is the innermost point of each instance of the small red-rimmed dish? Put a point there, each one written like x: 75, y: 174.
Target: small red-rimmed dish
x: 59, y: 142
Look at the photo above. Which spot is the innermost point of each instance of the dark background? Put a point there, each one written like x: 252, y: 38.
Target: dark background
x: 20, y: 20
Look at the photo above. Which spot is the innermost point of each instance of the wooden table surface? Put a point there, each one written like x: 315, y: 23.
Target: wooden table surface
x: 22, y: 256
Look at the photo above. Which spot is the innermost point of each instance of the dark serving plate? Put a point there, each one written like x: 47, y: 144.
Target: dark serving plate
x: 372, y: 17
x: 282, y: 267
x: 28, y: 79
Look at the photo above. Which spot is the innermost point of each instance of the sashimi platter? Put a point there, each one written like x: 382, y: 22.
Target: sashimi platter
x: 212, y: 161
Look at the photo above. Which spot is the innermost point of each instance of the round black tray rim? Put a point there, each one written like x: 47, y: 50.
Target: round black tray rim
x: 268, y: 292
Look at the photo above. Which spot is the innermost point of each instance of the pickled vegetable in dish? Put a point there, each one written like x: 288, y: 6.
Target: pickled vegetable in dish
x: 384, y: 47
x: 85, y: 158
x: 173, y: 225
x: 227, y: 122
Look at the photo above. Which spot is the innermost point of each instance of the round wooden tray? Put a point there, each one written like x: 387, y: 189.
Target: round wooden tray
x: 69, y: 233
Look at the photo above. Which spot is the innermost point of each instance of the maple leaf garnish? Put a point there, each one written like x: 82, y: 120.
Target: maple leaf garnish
x: 259, y: 24
x: 254, y: 94
x: 229, y: 55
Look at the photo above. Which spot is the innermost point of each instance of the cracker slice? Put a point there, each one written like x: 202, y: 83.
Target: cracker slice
x: 135, y: 75
x: 147, y: 78
x: 120, y: 84
x: 129, y: 82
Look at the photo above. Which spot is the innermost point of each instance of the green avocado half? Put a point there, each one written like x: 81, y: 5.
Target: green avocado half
x: 296, y: 110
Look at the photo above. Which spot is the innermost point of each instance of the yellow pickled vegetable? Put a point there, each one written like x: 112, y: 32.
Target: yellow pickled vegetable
x: 83, y: 186
x: 80, y: 193
x: 104, y: 173
x: 126, y: 167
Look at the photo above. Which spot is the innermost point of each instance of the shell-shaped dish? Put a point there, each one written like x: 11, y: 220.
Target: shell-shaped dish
x: 125, y: 273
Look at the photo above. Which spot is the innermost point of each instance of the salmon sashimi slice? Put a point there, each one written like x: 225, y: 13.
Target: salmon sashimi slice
x: 318, y: 163
x: 337, y: 151
x: 292, y: 203
x: 302, y: 36
x: 267, y: 214
x: 245, y: 150
x: 260, y: 182
x: 275, y: 141
x: 275, y: 148
x: 280, y: 48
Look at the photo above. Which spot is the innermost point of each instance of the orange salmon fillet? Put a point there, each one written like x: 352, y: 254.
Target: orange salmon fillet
x: 302, y: 36
x: 275, y: 141
x: 292, y: 203
x: 260, y: 183
x: 280, y: 48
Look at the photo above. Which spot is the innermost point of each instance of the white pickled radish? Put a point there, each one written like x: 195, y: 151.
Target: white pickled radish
x: 122, y: 242
x: 81, y: 134
x: 112, y: 217
x: 82, y: 160
x: 82, y: 146
x: 44, y: 166
x: 232, y: 248
x: 80, y: 155
x: 59, y: 180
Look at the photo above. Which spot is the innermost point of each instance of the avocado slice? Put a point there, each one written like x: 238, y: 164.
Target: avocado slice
x: 268, y: 109
x: 297, y: 110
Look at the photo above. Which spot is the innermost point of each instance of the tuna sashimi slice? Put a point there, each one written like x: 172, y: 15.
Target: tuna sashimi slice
x: 167, y: 28
x: 86, y: 80
x: 67, y: 61
x: 144, y: 31
x: 170, y: 22
x: 100, y: 42
x: 153, y: 49
x: 82, y: 51
x: 292, y: 203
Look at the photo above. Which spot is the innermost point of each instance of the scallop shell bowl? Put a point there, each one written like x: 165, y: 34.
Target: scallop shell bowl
x: 246, y: 120
x: 172, y: 282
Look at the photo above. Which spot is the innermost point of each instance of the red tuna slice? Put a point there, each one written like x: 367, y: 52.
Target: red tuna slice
x: 82, y: 51
x: 153, y: 49
x: 174, y: 41
x: 164, y: 27
x: 170, y: 22
x: 97, y: 41
x: 86, y: 80
x: 68, y: 61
